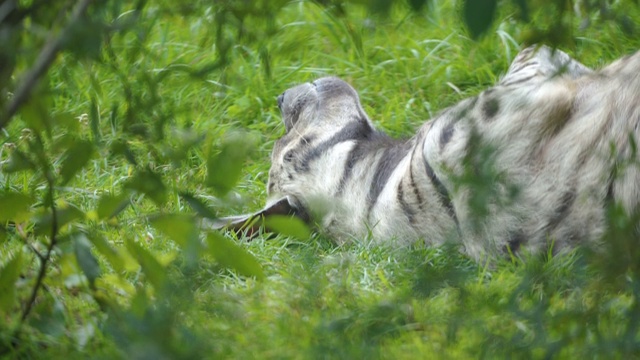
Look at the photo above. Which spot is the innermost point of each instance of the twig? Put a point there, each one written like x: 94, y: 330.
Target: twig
x: 23, y: 237
x: 42, y: 64
x: 44, y: 260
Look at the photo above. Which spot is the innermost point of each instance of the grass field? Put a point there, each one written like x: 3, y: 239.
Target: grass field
x: 316, y: 299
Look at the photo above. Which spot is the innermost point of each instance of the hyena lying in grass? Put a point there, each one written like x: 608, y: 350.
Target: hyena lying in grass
x: 529, y: 163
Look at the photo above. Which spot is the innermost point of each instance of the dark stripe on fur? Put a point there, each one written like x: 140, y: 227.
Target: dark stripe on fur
x: 443, y: 194
x: 446, y: 134
x: 308, y: 139
x: 464, y: 108
x: 518, y: 67
x: 388, y: 162
x: 294, y: 115
x: 361, y: 151
x: 610, y: 198
x: 563, y: 210
x: 414, y: 186
x: 355, y: 155
x: 518, y: 81
x: 522, y: 62
x: 408, y: 210
x: 355, y: 130
x: 304, y: 143
x: 515, y: 241
x: 490, y: 108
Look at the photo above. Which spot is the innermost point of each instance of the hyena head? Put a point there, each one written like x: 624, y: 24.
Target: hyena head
x: 326, y: 103
x: 317, y: 116
x: 320, y: 118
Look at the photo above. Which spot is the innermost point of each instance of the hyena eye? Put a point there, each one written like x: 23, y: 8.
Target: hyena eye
x: 288, y: 156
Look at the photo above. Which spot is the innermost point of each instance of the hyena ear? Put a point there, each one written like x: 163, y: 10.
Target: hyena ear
x: 251, y: 223
x: 288, y: 121
x: 287, y: 125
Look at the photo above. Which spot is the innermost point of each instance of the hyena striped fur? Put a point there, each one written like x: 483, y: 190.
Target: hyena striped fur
x: 550, y: 137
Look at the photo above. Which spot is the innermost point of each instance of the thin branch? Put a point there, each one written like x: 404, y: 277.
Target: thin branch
x: 25, y: 240
x: 44, y: 261
x: 47, y: 56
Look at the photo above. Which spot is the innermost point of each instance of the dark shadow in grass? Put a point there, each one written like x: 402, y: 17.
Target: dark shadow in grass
x: 362, y: 333
x: 427, y: 269
x: 430, y: 278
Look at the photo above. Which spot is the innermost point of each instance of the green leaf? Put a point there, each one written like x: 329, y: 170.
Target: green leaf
x: 478, y: 16
x: 86, y: 260
x: 187, y: 139
x: 524, y: 9
x: 417, y: 5
x: 382, y: 7
x: 201, y: 208
x: 105, y: 249
x: 9, y: 274
x: 75, y: 158
x: 15, y: 206
x: 111, y: 205
x: 225, y: 168
x: 84, y: 38
x: 287, y: 225
x: 50, y: 319
x: 183, y: 230
x: 94, y: 118
x: 150, y: 265
x: 149, y: 183
x: 68, y: 121
x: 35, y: 113
x: 232, y: 256
x: 179, y: 228
x: 65, y: 215
x: 18, y: 162
x: 122, y: 148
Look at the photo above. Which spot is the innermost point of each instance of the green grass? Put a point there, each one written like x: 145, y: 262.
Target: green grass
x: 317, y: 300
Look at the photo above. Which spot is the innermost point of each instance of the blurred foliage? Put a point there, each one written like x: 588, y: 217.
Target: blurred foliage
x: 61, y: 237
x: 56, y: 251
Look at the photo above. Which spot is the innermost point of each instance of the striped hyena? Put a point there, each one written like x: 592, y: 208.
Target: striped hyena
x: 533, y: 160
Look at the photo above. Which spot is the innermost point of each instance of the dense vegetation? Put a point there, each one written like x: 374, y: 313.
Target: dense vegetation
x: 123, y: 125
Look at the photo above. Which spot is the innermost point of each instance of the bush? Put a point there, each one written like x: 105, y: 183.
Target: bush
x: 120, y: 120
